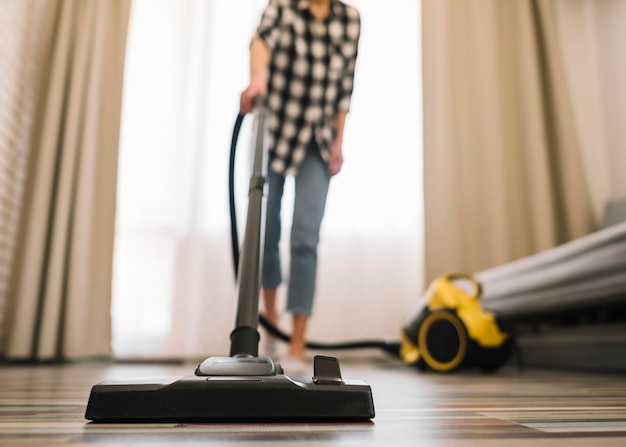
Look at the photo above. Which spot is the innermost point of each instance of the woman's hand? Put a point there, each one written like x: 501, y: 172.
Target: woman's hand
x: 336, y: 159
x: 246, y: 101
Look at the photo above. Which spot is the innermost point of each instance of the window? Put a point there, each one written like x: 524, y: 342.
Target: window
x: 187, y: 62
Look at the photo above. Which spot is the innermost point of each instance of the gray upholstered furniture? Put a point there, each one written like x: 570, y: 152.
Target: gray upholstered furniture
x: 567, y: 305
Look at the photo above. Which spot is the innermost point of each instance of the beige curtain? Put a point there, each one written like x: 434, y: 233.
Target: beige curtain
x: 513, y: 154
x: 58, y: 303
x: 17, y: 67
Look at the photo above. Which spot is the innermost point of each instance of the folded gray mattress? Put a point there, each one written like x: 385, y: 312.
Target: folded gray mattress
x: 588, y: 272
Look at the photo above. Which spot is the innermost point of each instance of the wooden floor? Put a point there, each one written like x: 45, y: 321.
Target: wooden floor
x: 45, y: 406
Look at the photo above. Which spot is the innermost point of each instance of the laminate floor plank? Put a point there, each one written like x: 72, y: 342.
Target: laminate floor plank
x: 45, y: 405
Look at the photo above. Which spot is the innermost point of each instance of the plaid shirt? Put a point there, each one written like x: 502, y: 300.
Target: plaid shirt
x: 311, y: 76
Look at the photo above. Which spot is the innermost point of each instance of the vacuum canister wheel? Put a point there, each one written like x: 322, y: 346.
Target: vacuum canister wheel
x: 442, y: 340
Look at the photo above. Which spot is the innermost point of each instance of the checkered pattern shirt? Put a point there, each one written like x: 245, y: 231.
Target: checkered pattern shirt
x: 311, y: 76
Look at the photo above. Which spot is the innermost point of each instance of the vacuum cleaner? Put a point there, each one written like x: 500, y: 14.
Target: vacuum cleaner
x: 242, y: 386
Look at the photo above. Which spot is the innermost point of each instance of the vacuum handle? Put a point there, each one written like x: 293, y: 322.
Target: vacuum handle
x: 245, y: 337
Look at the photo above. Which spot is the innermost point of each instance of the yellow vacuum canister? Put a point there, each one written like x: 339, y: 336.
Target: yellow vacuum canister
x: 448, y: 329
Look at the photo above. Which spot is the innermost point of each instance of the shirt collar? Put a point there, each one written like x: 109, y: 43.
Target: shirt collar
x: 335, y: 7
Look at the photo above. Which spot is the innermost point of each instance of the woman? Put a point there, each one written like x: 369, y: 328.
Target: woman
x: 302, y: 58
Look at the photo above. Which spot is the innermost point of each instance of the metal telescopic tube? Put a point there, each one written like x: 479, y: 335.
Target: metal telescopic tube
x: 245, y: 337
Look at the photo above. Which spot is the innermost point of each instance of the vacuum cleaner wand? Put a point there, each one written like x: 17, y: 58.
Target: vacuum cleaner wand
x: 245, y: 337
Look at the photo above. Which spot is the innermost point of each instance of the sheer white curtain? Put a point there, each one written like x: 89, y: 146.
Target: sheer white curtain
x: 187, y: 62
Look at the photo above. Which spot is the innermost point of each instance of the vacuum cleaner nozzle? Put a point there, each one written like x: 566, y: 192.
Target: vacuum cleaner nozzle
x: 265, y: 396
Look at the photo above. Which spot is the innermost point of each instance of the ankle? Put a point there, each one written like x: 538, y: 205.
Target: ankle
x: 296, y: 350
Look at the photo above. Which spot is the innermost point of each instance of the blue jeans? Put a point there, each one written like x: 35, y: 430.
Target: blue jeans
x: 311, y: 181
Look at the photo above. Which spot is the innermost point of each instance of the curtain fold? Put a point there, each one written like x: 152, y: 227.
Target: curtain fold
x: 59, y: 300
x: 506, y: 133
x: 18, y: 66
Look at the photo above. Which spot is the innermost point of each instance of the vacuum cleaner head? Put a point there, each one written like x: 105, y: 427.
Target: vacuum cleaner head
x: 227, y: 392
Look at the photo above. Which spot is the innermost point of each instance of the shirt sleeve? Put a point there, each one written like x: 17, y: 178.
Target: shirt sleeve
x: 269, y: 27
x: 347, y: 81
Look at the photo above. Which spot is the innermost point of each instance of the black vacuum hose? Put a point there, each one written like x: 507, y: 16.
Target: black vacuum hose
x: 392, y: 347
